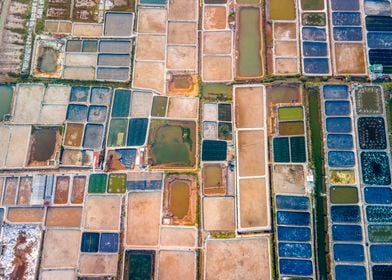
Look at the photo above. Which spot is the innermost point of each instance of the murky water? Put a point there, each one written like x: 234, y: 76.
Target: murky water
x: 179, y: 198
x: 249, y: 64
x: 5, y: 100
x: 47, y: 62
x: 277, y: 13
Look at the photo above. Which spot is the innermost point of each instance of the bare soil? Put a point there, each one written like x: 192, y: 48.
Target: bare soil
x: 78, y: 187
x: 215, y: 17
x: 11, y: 189
x: 253, y: 203
x: 25, y: 214
x: 64, y: 217
x: 87, y: 30
x: 182, y: 107
x: 217, y: 68
x: 61, y: 248
x: 183, y: 10
x: 25, y: 188
x: 219, y: 213
x: 62, y: 190
x: 283, y: 48
x: 150, y: 47
x: 286, y: 66
x: 249, y: 107
x: 350, y: 58
x: 245, y: 258
x: 178, y: 236
x: 182, y: 58
x: 217, y: 42
x: 289, y: 179
x: 143, y: 218
x: 152, y: 20
x: 149, y: 75
x: 74, y: 134
x: 177, y: 265
x: 285, y: 30
x: 102, y: 212
x: 98, y: 264
x: 182, y: 33
x: 251, y: 153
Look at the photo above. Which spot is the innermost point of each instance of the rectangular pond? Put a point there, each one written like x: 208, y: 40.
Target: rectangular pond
x: 249, y: 64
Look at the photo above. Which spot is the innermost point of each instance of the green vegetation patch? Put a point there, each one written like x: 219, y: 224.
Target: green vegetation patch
x: 159, y: 105
x: 380, y: 233
x: 97, y: 183
x: 344, y: 195
x: 217, y: 91
x: 313, y: 19
x: 290, y: 113
x: 117, y: 183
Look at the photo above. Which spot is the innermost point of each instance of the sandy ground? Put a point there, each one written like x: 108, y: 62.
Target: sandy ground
x: 87, y: 30
x: 181, y: 107
x: 5, y: 133
x: 80, y: 60
x: 350, y: 58
x: 217, y: 68
x: 181, y: 58
x: 28, y: 103
x: 251, y: 153
x: 24, y: 193
x: 210, y: 130
x: 176, y: 89
x: 78, y: 187
x: 141, y: 104
x: 214, y: 17
x: 283, y: 48
x: 183, y: 10
x: 61, y: 248
x: 57, y: 94
x: 218, y: 213
x: 64, y: 217
x: 51, y: 26
x: 52, y: 114
x: 11, y: 189
x: 65, y: 27
x: 253, y: 203
x: 58, y: 274
x: 177, y: 265
x: 149, y: 75
x: 150, y: 47
x: 61, y: 191
x: 210, y: 112
x: 26, y: 214
x: 102, y: 264
x: 143, y: 218
x: 238, y: 259
x: 249, y: 107
x: 178, y: 237
x: 21, y: 245
x: 182, y: 33
x: 2, y: 179
x: 285, y: 66
x: 217, y: 42
x: 79, y: 73
x: 289, y: 179
x: 285, y: 30
x: 102, y: 212
x: 18, y: 146
x: 73, y: 134
x: 152, y: 20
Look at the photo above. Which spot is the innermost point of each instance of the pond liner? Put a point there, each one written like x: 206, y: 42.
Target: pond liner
x: 347, y: 233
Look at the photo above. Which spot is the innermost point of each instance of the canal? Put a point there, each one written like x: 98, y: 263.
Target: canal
x: 317, y: 158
